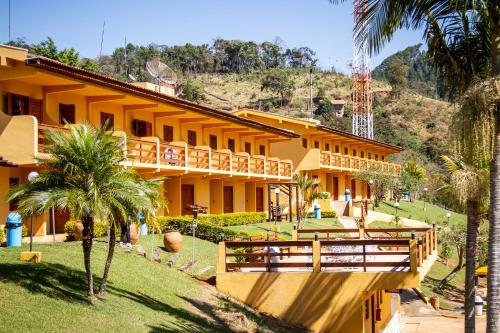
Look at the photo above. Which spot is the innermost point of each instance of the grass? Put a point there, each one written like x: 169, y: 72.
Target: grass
x: 142, y: 296
x: 452, y: 294
x: 415, y: 211
x: 287, y: 227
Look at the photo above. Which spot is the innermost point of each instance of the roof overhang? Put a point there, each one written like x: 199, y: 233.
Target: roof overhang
x: 57, y: 67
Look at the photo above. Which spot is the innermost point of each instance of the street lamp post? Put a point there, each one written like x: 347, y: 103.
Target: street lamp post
x: 31, y: 178
x: 425, y: 199
x: 277, y: 207
x: 370, y: 184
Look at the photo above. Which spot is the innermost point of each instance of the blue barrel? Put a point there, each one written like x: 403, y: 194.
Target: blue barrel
x: 143, y: 229
x: 347, y: 194
x: 14, y: 227
x: 317, y: 211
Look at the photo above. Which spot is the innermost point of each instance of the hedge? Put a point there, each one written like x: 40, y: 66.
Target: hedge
x: 229, y: 219
x: 100, y: 228
x: 324, y: 214
x: 206, y: 231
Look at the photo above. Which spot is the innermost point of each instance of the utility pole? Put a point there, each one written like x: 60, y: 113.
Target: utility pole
x: 311, y: 92
x: 9, y: 22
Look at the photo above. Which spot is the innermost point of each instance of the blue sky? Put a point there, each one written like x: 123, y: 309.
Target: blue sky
x: 324, y: 27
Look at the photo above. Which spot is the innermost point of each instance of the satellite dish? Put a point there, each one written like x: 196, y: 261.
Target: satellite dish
x: 132, y: 78
x: 160, y: 72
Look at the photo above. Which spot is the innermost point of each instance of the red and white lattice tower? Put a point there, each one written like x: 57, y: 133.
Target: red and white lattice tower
x: 362, y: 115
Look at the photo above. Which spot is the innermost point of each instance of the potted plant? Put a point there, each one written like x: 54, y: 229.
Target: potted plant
x: 134, y: 235
x: 78, y: 230
x: 172, y: 240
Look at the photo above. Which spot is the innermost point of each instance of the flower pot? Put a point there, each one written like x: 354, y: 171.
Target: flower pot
x: 434, y: 300
x: 134, y: 235
x: 172, y: 241
x: 78, y: 231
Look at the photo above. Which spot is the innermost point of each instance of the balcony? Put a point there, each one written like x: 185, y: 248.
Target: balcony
x: 149, y: 152
x: 351, y: 163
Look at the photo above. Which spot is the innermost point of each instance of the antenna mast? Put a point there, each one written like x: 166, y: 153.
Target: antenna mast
x: 362, y: 114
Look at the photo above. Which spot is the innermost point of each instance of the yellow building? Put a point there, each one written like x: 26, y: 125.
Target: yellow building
x: 328, y: 154
x: 212, y: 158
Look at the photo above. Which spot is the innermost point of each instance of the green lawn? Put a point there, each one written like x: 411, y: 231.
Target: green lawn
x: 287, y: 227
x: 142, y: 296
x: 415, y: 211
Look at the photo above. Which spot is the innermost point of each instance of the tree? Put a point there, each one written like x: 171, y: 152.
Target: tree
x: 397, y: 72
x: 83, y: 174
x: 193, y: 91
x: 279, y: 81
x: 380, y: 182
x: 308, y: 189
x: 469, y: 186
x: 47, y: 48
x: 412, y: 177
x: 90, y: 65
x: 463, y: 39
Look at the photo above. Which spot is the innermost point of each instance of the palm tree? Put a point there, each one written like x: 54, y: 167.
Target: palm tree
x: 463, y: 40
x: 83, y: 174
x: 470, y: 187
x: 308, y: 188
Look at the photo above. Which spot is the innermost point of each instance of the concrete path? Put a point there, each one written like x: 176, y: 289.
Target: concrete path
x: 379, y: 216
x: 348, y: 222
x: 418, y: 317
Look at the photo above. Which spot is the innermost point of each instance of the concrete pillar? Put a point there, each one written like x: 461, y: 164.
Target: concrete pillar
x: 216, y: 196
x: 359, y: 190
x: 4, y: 188
x: 328, y: 186
x: 173, y: 196
x: 342, y: 187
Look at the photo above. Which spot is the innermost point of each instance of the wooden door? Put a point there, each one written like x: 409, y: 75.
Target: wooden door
x: 228, y: 199
x: 353, y: 189
x: 187, y: 198
x: 36, y: 109
x: 61, y: 217
x: 335, y: 191
x: 259, y: 199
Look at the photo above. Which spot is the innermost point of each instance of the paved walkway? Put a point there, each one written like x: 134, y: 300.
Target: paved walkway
x: 348, y: 222
x: 418, y: 317
x: 379, y: 216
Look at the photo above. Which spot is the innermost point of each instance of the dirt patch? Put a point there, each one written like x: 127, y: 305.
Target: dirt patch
x: 230, y: 315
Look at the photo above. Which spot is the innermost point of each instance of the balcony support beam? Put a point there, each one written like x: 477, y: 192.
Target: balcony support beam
x: 134, y: 107
x: 169, y: 114
x: 62, y: 88
x: 192, y: 120
x: 104, y: 98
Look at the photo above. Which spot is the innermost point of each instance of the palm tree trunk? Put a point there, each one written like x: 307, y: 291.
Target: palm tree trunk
x: 88, y: 235
x: 109, y: 259
x: 493, y: 297
x: 470, y: 265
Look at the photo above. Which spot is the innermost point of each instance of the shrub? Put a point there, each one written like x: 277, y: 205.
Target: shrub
x: 324, y: 214
x: 100, y: 228
x: 324, y: 195
x: 2, y: 235
x: 204, y: 230
x: 234, y: 218
x: 24, y: 231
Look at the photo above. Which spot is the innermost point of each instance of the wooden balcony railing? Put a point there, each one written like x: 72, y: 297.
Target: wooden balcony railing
x: 150, y: 151
x: 426, y: 238
x: 330, y: 159
x: 362, y: 255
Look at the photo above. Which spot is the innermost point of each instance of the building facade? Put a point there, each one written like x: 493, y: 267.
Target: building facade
x: 211, y: 158
x: 329, y: 154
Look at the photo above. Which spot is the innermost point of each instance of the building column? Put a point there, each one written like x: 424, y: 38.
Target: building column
x: 342, y: 186
x: 329, y: 185
x: 172, y: 194
x: 216, y: 196
x: 359, y: 189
